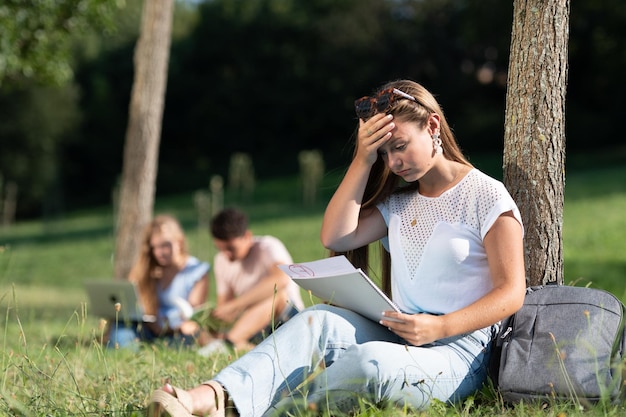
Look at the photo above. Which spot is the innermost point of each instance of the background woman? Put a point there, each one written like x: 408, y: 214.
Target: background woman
x: 169, y: 280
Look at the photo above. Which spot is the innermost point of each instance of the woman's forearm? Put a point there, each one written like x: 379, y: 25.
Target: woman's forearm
x: 341, y: 218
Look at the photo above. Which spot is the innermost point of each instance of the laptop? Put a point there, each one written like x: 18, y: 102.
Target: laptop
x: 105, y: 294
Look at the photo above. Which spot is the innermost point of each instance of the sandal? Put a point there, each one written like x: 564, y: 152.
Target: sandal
x: 179, y: 404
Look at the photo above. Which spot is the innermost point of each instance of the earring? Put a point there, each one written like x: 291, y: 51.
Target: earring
x: 437, y: 143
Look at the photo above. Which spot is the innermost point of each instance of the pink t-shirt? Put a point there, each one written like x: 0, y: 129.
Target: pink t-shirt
x: 241, y: 275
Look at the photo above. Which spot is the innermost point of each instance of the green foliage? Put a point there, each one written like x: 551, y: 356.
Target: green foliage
x: 271, y: 78
x: 36, y: 120
x: 291, y: 71
x: 36, y: 41
x: 38, y: 101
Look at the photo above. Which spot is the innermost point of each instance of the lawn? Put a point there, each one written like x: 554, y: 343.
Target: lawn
x: 51, y: 363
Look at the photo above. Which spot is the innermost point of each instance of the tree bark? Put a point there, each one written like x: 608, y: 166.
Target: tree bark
x: 141, y: 150
x: 534, y: 140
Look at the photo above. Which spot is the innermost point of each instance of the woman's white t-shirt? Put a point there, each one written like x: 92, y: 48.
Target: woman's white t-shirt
x: 438, y: 260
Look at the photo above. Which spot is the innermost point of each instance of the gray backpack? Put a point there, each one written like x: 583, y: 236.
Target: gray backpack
x: 564, y: 343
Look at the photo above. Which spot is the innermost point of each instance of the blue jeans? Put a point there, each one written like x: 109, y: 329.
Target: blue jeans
x: 130, y: 334
x: 333, y: 358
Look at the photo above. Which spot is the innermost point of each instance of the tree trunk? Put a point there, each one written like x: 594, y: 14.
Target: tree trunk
x: 136, y: 199
x: 534, y: 140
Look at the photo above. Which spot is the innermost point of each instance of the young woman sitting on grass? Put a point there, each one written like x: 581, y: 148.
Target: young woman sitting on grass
x: 454, y: 236
x: 168, y: 279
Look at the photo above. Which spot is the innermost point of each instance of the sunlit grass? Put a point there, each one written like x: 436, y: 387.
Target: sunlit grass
x: 594, y: 247
x: 52, y: 364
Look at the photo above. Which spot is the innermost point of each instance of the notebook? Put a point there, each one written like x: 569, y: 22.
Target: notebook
x: 336, y: 281
x: 105, y: 294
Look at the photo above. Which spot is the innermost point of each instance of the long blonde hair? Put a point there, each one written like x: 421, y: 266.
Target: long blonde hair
x: 382, y: 183
x: 146, y: 272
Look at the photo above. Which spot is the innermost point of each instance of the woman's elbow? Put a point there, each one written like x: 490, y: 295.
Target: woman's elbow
x: 334, y: 245
x: 516, y: 299
x: 328, y: 241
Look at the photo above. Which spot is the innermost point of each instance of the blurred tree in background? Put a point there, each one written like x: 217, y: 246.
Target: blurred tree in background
x: 273, y: 77
x: 143, y: 135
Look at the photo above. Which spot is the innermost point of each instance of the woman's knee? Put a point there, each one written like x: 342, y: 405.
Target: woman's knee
x: 382, y: 362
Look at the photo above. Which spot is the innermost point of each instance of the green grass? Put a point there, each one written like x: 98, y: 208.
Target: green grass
x: 594, y: 247
x: 52, y: 364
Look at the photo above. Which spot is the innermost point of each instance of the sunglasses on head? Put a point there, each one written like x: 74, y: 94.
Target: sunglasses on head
x: 367, y: 106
